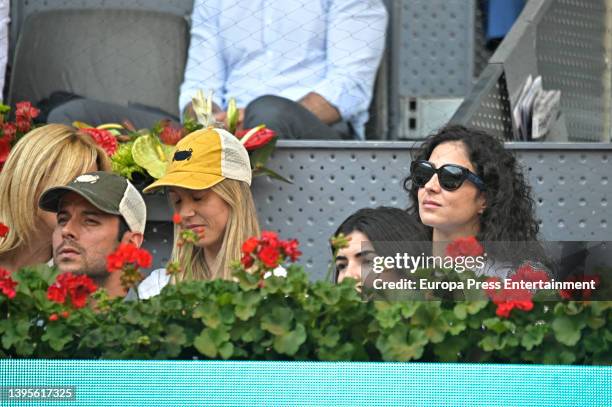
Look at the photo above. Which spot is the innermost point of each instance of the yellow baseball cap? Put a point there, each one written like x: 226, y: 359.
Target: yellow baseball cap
x: 203, y: 159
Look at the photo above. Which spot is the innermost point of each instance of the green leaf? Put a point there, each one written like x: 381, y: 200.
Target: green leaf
x: 57, y: 335
x: 402, y: 345
x: 289, y: 343
x: 248, y: 333
x: 270, y: 173
x: 594, y: 343
x: 330, y: 295
x: 330, y: 338
x: 246, y: 304
x: 123, y: 162
x: 431, y: 320
x: 14, y: 332
x: 260, y: 157
x: 152, y: 155
x: 173, y: 305
x: 388, y: 314
x: 454, y: 325
x: 490, y: 343
x: 460, y: 310
x: 408, y: 308
x: 608, y: 335
x: 450, y: 349
x: 210, y: 341
x: 209, y: 313
x: 567, y: 330
x: 533, y: 336
x: 226, y: 350
x: 595, y: 322
x: 232, y: 115
x: 133, y: 316
x: 175, y: 335
x: 498, y: 326
x: 474, y: 307
x: 343, y: 352
x: 573, y: 308
x: 246, y: 280
x: 555, y: 357
x: 278, y: 322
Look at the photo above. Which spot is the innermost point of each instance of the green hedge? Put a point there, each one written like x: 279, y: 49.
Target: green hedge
x: 294, y: 319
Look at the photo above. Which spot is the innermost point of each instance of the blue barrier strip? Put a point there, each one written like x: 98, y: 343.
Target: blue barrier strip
x: 230, y: 383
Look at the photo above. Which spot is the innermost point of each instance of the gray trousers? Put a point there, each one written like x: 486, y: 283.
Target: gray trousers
x: 289, y: 119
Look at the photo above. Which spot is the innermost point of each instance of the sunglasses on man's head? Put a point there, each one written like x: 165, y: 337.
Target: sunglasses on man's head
x: 450, y: 176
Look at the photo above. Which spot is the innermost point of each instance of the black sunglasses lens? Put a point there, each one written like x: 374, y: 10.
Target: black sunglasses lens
x: 422, y: 173
x: 451, y: 177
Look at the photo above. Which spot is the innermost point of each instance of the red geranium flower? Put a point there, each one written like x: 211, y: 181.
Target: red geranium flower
x: 128, y: 255
x: 7, y: 284
x: 80, y: 288
x: 529, y: 273
x: 23, y: 125
x: 247, y: 261
x: 3, y: 230
x: 269, y: 250
x: 53, y: 317
x: 57, y: 291
x: 257, y: 140
x: 170, y: 135
x: 270, y: 239
x: 25, y: 111
x: 250, y: 245
x: 269, y: 256
x: 290, y: 248
x: 464, y: 247
x: 9, y: 130
x: 508, y: 299
x: 504, y: 308
x: 104, y: 139
x: 144, y: 259
x: 584, y: 294
x: 5, y: 149
x: 76, y: 287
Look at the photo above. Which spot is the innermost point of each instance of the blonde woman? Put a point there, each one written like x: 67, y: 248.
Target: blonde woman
x: 208, y: 185
x: 47, y: 156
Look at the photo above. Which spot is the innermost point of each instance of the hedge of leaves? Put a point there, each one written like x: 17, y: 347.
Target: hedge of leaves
x: 294, y: 319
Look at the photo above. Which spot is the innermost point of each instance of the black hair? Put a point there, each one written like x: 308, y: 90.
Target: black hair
x: 123, y: 228
x: 510, y: 211
x: 509, y: 215
x: 390, y: 230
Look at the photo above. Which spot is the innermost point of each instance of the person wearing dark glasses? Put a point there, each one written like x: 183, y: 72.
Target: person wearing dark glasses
x: 463, y: 183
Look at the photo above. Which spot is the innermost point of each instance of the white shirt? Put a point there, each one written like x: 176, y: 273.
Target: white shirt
x: 250, y: 48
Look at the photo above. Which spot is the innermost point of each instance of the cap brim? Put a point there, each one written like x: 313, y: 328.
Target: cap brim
x: 50, y: 199
x: 187, y: 180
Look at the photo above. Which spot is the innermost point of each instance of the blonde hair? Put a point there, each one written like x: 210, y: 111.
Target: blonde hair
x: 241, y: 225
x: 47, y: 156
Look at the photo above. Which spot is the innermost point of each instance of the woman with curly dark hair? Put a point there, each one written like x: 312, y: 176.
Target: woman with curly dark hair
x: 464, y: 183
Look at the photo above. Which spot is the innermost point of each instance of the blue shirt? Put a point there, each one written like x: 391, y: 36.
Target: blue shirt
x: 249, y: 48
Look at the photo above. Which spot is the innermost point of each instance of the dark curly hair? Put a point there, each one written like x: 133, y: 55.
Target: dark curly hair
x: 510, y: 211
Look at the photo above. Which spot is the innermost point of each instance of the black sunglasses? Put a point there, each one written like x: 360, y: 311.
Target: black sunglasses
x: 450, y: 176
